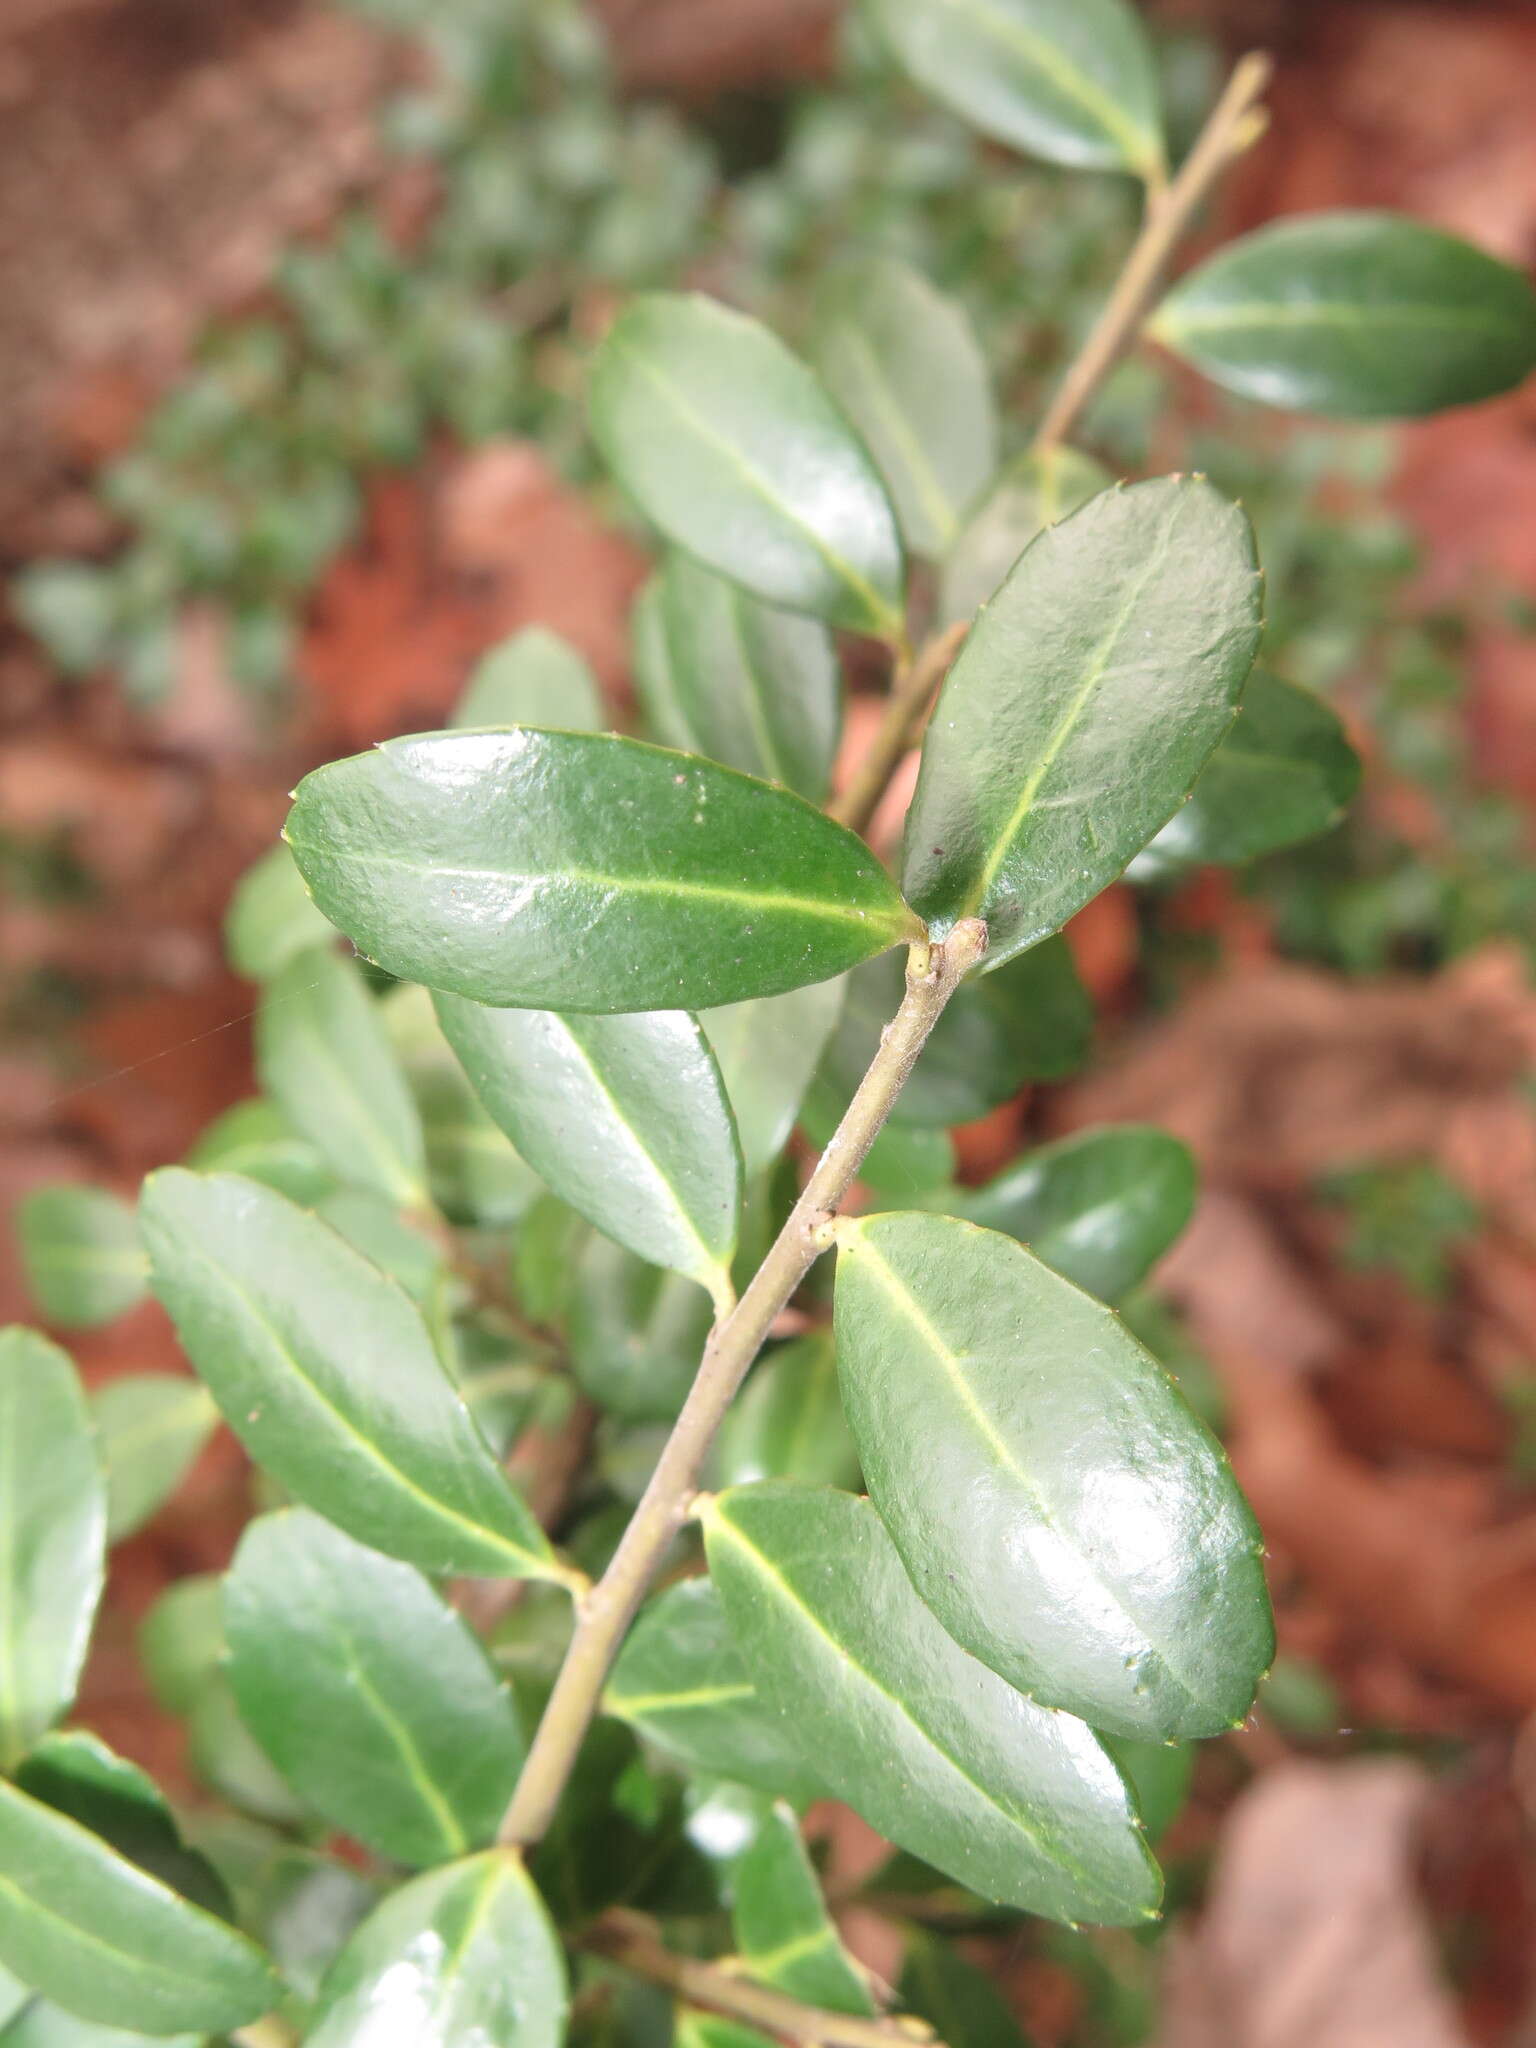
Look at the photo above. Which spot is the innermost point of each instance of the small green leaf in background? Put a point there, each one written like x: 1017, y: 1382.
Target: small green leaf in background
x: 44, y: 2025
x: 1034, y: 492
x: 960, y: 2002
x: 578, y: 871
x: 768, y: 1051
x: 635, y: 1332
x: 375, y: 1227
x: 52, y: 1537
x: 624, y: 1117
x: 1284, y: 773
x: 1159, y: 1774
x: 904, y: 363
x: 548, y: 1243
x: 911, y: 1161
x: 181, y: 1640
x: 1100, y: 1207
x: 325, y: 1371
x: 730, y: 445
x: 368, y: 1691
x: 461, y: 1955
x: 324, y: 1058
x: 81, y: 1254
x: 150, y: 1427
x: 1058, y: 1506
x: 533, y: 678
x: 104, y: 1940
x: 230, y: 1761
x: 679, y: 1682
x: 697, y: 2029
x: 787, y: 1422
x: 1360, y: 315
x: 1072, y: 81
x: 257, y: 1140
x: 784, y: 1933
x: 1087, y: 698
x: 935, y: 1752
x: 270, y: 919
x: 721, y: 673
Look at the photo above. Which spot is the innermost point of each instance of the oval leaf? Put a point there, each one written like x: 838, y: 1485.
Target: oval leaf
x: 905, y: 365
x: 43, y: 2025
x: 1072, y: 81
x: 787, y: 1422
x: 368, y: 1691
x: 635, y: 1333
x: 271, y: 919
x: 784, y: 1933
x: 577, y: 871
x: 52, y: 1537
x: 625, y: 1118
x: 679, y: 1682
x: 81, y: 1254
x: 256, y: 1139
x: 729, y: 444
x: 1361, y: 315
x: 1034, y: 492
x: 462, y: 1955
x: 324, y: 1058
x: 1019, y: 1803
x: 150, y: 1427
x: 1086, y: 700
x: 105, y: 1940
x: 324, y: 1370
x: 768, y: 1052
x: 1057, y: 1504
x: 535, y: 678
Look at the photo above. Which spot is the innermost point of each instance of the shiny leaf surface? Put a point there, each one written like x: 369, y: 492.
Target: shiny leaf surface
x: 1056, y: 1503
x: 534, y: 678
x: 1034, y: 492
x: 150, y: 1427
x: 768, y: 1051
x: 81, y: 1255
x: 784, y: 1933
x: 787, y: 1422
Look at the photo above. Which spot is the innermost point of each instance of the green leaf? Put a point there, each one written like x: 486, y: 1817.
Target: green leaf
x: 635, y: 1333
x: 768, y: 1051
x: 105, y: 1940
x: 375, y: 1227
x: 1034, y: 492
x: 52, y: 1537
x: 1100, y: 1207
x: 325, y: 1372
x: 371, y: 1696
x: 937, y: 1753
x: 150, y: 1427
x: 181, y: 1640
x: 1072, y: 81
x: 1159, y: 1774
x: 231, y: 1763
x: 549, y: 1240
x: 533, y: 678
x: 721, y: 673
x: 960, y: 2002
x: 909, y: 1160
x: 323, y: 1057
x: 624, y: 1117
x: 1056, y: 1503
x: 461, y: 1955
x: 679, y: 1682
x: 1084, y: 703
x: 787, y: 1422
x: 1361, y: 315
x: 256, y: 1139
x: 270, y: 919
x: 730, y: 445
x: 903, y: 362
x: 712, y: 2030
x: 577, y: 871
x: 43, y: 2025
x: 80, y: 1253
x: 1284, y: 773
x: 784, y: 1933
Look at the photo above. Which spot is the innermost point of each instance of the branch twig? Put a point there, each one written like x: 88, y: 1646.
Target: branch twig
x: 912, y: 687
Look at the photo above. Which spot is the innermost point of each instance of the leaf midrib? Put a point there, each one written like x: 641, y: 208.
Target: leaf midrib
x: 1177, y: 319
x: 1140, y: 146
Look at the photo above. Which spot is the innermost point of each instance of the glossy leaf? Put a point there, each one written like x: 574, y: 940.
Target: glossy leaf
x: 474, y: 1170
x: 181, y: 1640
x: 1034, y: 492
x: 324, y: 1059
x: 1072, y: 81
x: 577, y: 871
x: 233, y: 1765
x: 150, y: 1427
x: 680, y: 1682
x: 256, y: 1139
x: 730, y: 445
x: 376, y: 1228
x: 533, y: 678
x: 1159, y: 1773
x: 960, y: 2002
x: 45, y: 2025
x: 783, y: 1931
x: 721, y: 673
x: 787, y: 1422
x: 1100, y: 1207
x: 105, y: 1940
x: 768, y: 1051
x: 1086, y: 700
x: 52, y: 1537
x: 326, y: 1373
x: 624, y: 1117
x: 1361, y: 315
x: 1284, y: 773
x: 463, y: 1955
x: 635, y: 1333
x: 1056, y: 1503
x: 937, y: 1753
x: 80, y: 1253
x: 271, y: 920
x: 368, y: 1691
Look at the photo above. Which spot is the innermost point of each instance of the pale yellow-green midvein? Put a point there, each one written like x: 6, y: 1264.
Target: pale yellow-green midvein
x: 1177, y: 319
x: 446, y: 1820
x: 627, y: 1706
x: 1139, y: 147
